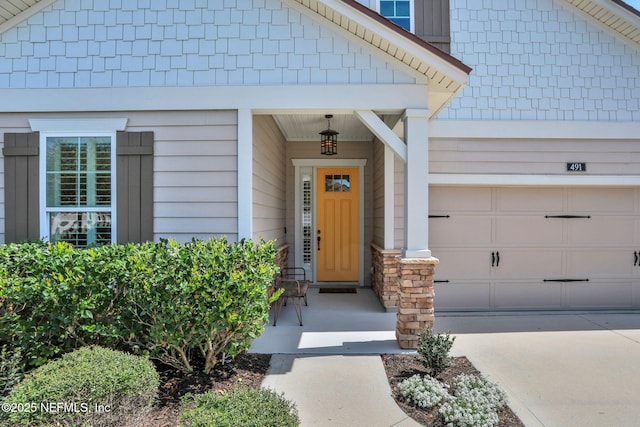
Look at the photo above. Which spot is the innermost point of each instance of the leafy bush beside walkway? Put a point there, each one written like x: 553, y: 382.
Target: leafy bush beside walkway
x: 166, y: 300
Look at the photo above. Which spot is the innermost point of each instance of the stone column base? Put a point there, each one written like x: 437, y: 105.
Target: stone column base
x: 415, y: 305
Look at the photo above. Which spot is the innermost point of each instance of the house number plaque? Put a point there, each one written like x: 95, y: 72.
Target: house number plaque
x: 576, y: 167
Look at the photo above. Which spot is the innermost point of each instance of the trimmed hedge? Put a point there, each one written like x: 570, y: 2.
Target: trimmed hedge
x: 247, y: 407
x: 165, y: 299
x: 91, y: 386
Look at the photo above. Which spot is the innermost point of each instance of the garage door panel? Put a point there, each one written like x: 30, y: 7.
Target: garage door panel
x: 527, y: 230
x: 530, y: 295
x: 600, y: 263
x: 599, y: 295
x: 537, y: 236
x: 462, y: 264
x: 455, y: 296
x: 459, y: 199
x: 519, y: 199
x: 601, y: 200
x: 601, y: 230
x: 457, y: 230
x: 529, y: 263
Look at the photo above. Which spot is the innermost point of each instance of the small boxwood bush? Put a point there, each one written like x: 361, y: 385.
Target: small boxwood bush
x: 243, y: 406
x: 434, y: 349
x: 92, y: 386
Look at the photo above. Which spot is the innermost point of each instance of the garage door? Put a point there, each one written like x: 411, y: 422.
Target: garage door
x: 519, y: 248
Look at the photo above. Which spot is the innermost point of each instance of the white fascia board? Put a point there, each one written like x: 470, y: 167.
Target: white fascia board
x: 397, y: 40
x: 608, y: 7
x: 260, y: 99
x: 382, y: 131
x: 535, y: 180
x: 26, y: 14
x: 533, y: 129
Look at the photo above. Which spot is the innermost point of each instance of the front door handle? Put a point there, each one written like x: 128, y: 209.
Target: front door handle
x: 319, y: 238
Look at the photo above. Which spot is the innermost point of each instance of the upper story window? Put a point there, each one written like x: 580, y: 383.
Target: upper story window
x: 78, y: 191
x: 398, y: 11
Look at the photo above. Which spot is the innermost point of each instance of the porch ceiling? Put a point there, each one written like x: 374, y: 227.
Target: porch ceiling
x: 306, y: 127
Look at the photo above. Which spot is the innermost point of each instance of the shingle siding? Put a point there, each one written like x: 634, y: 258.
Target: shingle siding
x: 97, y: 44
x: 541, y: 60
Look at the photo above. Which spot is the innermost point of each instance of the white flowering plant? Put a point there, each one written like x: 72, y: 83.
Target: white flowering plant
x: 475, y: 404
x: 423, y: 391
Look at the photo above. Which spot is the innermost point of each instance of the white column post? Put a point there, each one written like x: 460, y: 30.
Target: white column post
x: 416, y: 214
x: 389, y: 198
x: 245, y: 174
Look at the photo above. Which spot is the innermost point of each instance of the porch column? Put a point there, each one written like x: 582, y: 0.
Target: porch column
x: 416, y: 184
x: 416, y: 265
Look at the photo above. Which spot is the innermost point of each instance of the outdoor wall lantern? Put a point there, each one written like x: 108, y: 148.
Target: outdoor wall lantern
x: 328, y: 139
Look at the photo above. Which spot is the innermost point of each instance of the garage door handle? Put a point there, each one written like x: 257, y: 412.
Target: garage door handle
x: 495, y: 259
x: 568, y: 216
x: 636, y: 258
x: 565, y: 280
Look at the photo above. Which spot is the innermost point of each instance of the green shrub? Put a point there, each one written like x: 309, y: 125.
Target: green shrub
x: 54, y: 298
x: 91, y: 386
x: 247, y: 407
x: 11, y: 369
x: 203, y: 296
x: 424, y: 392
x: 166, y: 300
x: 434, y: 349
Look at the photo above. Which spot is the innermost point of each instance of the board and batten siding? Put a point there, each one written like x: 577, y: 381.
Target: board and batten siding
x: 195, y: 169
x: 432, y: 22
x: 545, y: 156
x: 269, y: 185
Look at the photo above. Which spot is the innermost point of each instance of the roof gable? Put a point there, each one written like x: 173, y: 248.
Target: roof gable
x: 386, y: 53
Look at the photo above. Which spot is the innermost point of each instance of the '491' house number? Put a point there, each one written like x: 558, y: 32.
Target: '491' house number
x: 576, y: 167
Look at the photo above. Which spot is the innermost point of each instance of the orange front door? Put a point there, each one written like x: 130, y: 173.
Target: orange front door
x: 337, y: 225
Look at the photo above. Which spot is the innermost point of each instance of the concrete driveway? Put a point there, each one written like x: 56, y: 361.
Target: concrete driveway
x: 559, y: 370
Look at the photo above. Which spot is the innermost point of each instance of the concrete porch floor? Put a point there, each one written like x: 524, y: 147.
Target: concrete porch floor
x: 332, y: 324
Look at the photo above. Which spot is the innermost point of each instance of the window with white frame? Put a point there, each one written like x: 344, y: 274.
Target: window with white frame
x: 398, y: 11
x: 78, y: 191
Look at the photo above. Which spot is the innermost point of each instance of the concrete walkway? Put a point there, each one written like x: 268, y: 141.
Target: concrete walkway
x: 337, y: 390
x: 559, y: 370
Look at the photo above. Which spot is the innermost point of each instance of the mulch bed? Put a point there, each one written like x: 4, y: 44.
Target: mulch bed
x: 402, y: 366
x: 244, y: 370
x: 250, y: 369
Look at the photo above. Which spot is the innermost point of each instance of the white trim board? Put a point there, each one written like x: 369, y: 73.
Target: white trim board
x: 533, y: 129
x: 536, y: 180
x: 259, y: 99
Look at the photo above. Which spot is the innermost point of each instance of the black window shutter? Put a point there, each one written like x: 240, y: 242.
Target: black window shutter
x: 21, y: 186
x: 134, y: 176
